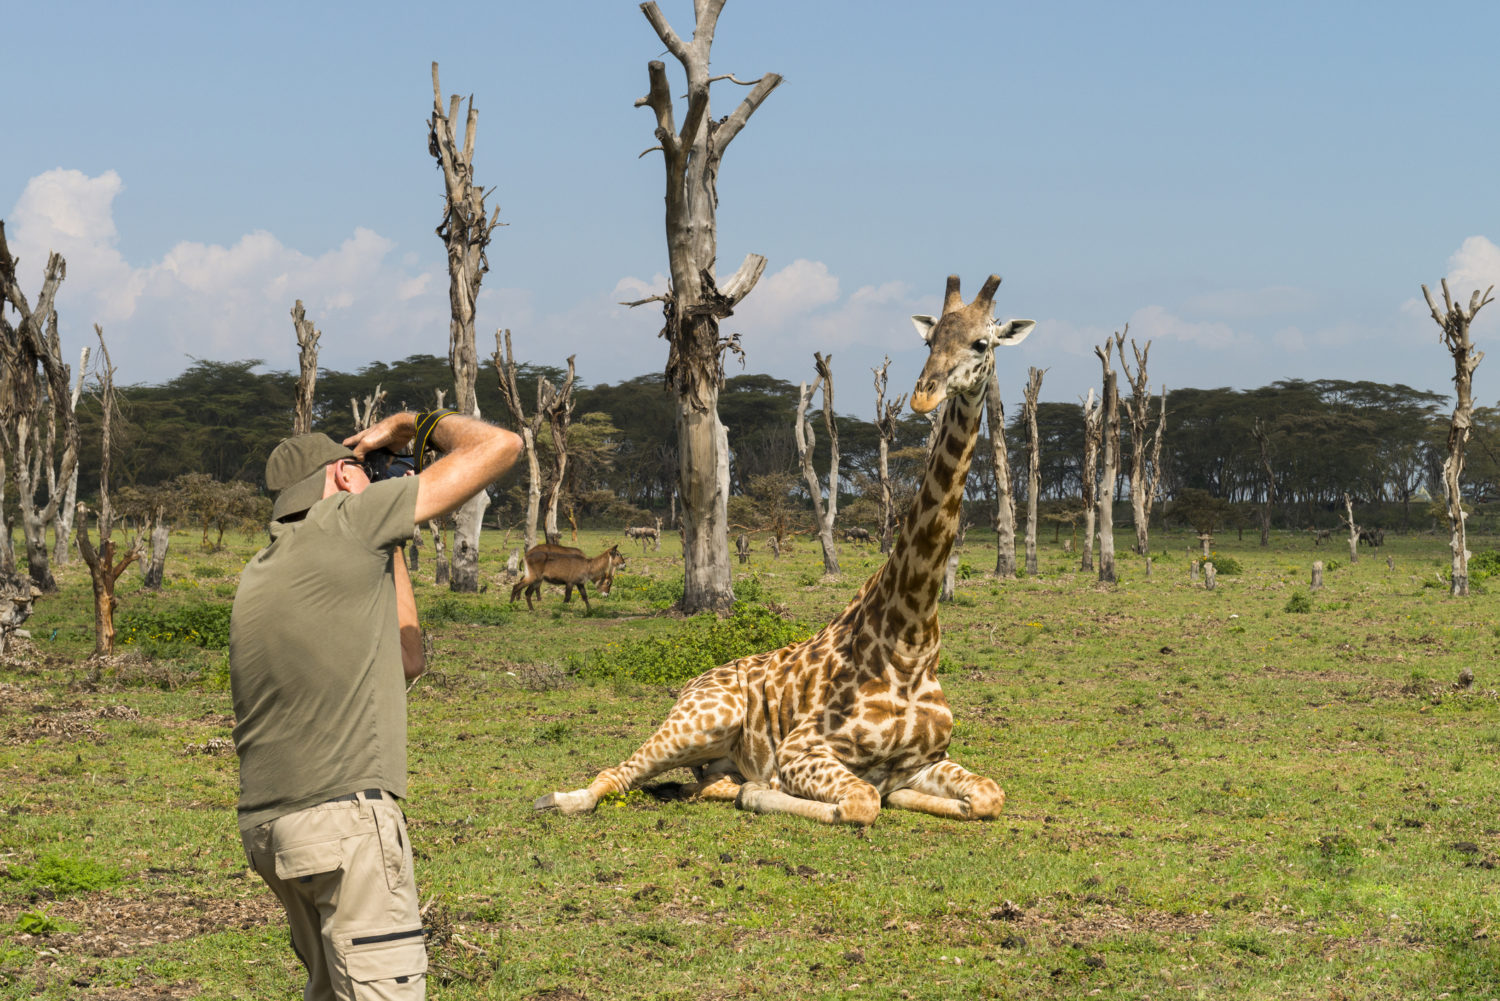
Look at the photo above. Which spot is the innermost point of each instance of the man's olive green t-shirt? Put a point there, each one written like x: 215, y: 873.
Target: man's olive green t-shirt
x: 315, y: 656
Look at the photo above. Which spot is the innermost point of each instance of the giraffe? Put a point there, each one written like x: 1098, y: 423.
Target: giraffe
x: 835, y: 726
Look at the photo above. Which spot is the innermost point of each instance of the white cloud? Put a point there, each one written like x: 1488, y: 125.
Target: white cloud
x: 221, y: 302
x: 1155, y: 322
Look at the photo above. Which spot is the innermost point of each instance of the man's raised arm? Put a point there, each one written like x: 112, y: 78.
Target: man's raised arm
x: 473, y: 454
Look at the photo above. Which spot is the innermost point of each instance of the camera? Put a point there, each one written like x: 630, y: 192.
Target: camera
x: 383, y: 464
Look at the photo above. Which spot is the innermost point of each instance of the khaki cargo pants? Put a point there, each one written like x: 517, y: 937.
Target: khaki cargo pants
x: 343, y: 871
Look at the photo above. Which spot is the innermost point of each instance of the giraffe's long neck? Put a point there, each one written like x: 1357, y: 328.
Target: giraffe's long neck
x: 913, y: 576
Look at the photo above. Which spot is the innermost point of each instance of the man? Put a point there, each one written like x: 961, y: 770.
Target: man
x: 322, y: 639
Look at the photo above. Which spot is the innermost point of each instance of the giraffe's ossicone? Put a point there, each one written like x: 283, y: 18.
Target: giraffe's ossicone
x: 853, y: 717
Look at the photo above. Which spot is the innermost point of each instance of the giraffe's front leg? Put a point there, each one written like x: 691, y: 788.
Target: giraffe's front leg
x: 818, y: 786
x: 702, y: 727
x: 947, y: 789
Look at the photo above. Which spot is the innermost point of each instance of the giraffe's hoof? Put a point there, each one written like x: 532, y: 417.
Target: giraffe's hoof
x: 580, y: 801
x: 750, y: 795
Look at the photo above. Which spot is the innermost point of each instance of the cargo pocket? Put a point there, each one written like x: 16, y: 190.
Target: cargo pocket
x: 309, y: 860
x: 395, y: 850
x: 396, y: 955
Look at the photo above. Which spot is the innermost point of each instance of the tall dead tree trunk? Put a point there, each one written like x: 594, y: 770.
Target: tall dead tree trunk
x: 367, y: 411
x: 1353, y: 529
x: 696, y: 302
x: 1110, y: 406
x: 1093, y: 437
x: 1033, y: 464
x: 1005, y: 495
x: 1263, y: 439
x: 465, y: 232
x: 527, y: 427
x: 559, y: 414
x: 1138, y: 410
x: 104, y: 570
x: 7, y: 543
x: 886, y: 415
x: 34, y: 396
x: 823, y: 514
x: 307, y: 380
x: 62, y: 528
x: 1455, y: 321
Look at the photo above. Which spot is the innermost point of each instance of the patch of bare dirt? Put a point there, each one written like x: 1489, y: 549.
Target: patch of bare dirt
x: 70, y: 721
x: 110, y: 927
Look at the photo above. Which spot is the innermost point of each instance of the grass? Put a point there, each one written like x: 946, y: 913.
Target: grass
x: 1209, y: 794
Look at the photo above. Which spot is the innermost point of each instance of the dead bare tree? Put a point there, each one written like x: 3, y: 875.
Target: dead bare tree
x: 104, y: 569
x: 1110, y: 407
x: 367, y: 411
x: 559, y: 414
x: 696, y: 302
x: 1093, y: 437
x: 34, y: 401
x: 1005, y: 497
x: 465, y: 231
x: 62, y: 526
x: 886, y: 415
x: 1263, y: 439
x: 1353, y: 529
x: 1145, y: 468
x: 1455, y: 321
x: 1033, y: 463
x: 527, y: 427
x: 307, y: 357
x: 823, y: 514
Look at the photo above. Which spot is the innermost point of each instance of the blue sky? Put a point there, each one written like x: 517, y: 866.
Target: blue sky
x: 1259, y: 189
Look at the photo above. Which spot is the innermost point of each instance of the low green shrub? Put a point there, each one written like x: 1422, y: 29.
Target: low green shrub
x: 1226, y: 565
x: 1484, y: 565
x: 203, y: 624
x: 1298, y: 602
x: 453, y: 610
x: 65, y: 876
x: 660, y: 595
x: 41, y: 923
x: 704, y: 642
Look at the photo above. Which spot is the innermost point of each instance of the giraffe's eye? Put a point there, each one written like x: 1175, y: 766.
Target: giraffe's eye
x: 981, y: 345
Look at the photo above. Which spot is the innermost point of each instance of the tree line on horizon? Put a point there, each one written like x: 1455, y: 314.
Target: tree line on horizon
x: 1380, y: 443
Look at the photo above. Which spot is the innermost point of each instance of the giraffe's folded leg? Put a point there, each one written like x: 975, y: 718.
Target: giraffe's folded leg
x: 702, y: 727
x: 947, y: 789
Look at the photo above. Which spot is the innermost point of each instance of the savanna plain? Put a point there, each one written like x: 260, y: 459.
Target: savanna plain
x: 1255, y: 791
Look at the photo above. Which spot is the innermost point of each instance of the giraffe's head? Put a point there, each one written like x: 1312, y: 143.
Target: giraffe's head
x: 961, y: 343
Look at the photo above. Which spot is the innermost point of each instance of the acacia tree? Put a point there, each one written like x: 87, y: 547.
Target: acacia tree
x: 1033, y: 464
x: 1093, y: 437
x: 1005, y: 497
x: 1455, y: 321
x: 886, y: 415
x: 1110, y: 408
x: 1263, y: 439
x: 307, y: 358
x: 465, y: 231
x: 823, y: 515
x: 1138, y: 410
x: 559, y: 414
x: 104, y: 570
x: 34, y: 402
x: 696, y: 301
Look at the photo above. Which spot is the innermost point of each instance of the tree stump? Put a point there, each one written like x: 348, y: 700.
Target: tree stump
x: 1193, y: 571
x: 1317, y: 575
x: 950, y: 578
x: 1209, y: 576
x: 1148, y: 568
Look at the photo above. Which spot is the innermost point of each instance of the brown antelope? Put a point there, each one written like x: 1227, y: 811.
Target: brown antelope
x: 549, y: 563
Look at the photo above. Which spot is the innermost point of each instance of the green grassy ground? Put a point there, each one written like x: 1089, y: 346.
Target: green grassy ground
x: 1209, y: 796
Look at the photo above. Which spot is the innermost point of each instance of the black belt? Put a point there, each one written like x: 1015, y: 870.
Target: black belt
x: 354, y: 797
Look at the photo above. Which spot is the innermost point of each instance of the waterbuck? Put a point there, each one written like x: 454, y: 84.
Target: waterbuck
x: 565, y: 565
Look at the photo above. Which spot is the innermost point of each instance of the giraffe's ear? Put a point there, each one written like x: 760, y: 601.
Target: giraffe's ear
x: 924, y: 325
x: 1012, y: 332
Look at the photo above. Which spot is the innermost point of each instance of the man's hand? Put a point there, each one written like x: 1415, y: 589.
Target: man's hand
x: 394, y: 432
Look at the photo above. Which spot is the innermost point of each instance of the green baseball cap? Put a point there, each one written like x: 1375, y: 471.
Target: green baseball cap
x: 295, y: 471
